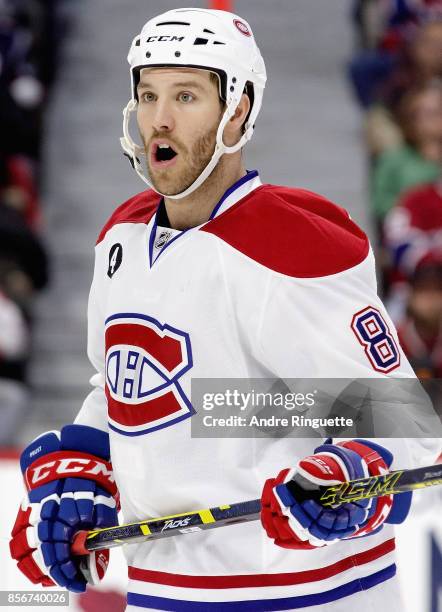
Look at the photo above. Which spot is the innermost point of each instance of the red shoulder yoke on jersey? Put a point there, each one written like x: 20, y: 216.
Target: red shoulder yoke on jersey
x: 138, y: 209
x: 292, y: 231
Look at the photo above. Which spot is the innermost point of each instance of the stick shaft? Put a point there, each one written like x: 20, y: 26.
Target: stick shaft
x: 166, y: 526
x: 219, y: 516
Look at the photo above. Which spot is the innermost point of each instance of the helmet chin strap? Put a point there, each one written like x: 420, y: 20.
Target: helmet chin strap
x: 134, y: 151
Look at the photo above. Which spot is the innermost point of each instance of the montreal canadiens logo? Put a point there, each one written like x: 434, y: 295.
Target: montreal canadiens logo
x: 241, y: 26
x: 145, y: 361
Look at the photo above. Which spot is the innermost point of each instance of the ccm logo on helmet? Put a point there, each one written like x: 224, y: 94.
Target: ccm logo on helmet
x: 241, y: 26
x: 165, y: 39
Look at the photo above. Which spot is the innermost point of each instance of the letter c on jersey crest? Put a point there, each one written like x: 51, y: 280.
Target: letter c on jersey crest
x: 144, y: 362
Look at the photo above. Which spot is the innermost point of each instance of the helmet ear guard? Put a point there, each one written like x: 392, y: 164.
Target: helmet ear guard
x: 204, y: 39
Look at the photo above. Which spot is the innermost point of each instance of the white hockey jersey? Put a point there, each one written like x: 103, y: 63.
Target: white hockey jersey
x: 268, y: 287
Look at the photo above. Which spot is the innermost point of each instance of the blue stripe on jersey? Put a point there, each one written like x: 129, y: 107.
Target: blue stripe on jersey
x: 251, y: 174
x: 263, y: 605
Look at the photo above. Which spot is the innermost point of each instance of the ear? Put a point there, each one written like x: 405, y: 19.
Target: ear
x: 233, y: 129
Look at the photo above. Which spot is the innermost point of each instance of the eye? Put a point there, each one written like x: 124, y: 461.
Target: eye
x: 147, y: 96
x: 185, y: 97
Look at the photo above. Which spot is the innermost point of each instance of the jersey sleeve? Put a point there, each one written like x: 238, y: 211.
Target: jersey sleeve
x: 137, y: 209
x: 336, y: 327
x: 94, y: 409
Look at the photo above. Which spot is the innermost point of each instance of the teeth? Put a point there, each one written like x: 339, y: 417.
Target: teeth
x: 163, y: 146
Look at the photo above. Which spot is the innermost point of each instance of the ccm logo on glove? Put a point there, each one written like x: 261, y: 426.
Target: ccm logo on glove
x: 65, y: 463
x: 319, y: 463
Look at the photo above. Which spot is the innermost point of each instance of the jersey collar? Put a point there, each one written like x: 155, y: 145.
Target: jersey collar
x: 236, y: 192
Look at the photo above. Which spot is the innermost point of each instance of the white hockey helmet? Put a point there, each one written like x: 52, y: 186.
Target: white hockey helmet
x: 212, y: 40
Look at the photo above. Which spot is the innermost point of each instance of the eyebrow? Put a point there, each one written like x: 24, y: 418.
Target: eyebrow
x: 184, y: 84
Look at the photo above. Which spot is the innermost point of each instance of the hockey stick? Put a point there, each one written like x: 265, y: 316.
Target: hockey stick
x: 187, y: 522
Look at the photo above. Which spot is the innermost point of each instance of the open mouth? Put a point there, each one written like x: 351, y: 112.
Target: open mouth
x: 162, y: 154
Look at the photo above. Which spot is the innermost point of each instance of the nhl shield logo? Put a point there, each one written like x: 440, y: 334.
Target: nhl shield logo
x: 145, y: 361
x: 162, y: 239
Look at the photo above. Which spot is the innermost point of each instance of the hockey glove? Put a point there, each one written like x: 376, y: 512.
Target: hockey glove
x: 304, y: 523
x: 70, y: 486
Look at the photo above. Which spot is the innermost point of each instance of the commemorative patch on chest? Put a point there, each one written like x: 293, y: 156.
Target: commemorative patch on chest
x: 115, y: 259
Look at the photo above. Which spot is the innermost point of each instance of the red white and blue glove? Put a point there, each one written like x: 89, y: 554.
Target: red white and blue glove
x: 70, y: 487
x: 300, y: 522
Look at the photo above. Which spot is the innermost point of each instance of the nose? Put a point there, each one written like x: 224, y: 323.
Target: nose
x: 163, y: 120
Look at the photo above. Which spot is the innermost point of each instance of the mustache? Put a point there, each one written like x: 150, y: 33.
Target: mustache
x: 176, y: 143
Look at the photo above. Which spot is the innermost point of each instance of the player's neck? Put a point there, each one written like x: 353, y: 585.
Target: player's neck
x: 196, y: 208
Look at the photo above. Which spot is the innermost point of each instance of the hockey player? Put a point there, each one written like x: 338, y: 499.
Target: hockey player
x: 212, y: 274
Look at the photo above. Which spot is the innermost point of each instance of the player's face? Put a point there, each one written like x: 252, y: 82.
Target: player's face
x: 178, y: 115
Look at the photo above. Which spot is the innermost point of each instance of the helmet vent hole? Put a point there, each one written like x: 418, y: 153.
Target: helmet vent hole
x: 208, y: 31
x: 217, y: 42
x: 137, y: 43
x: 200, y: 41
x: 163, y: 23
x: 148, y: 54
x: 177, y: 53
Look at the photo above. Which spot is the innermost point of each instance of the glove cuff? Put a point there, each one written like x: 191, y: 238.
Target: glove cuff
x: 80, y: 438
x: 376, y: 464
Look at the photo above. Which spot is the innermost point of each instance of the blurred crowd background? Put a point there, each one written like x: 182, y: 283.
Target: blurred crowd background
x: 394, y: 76
x: 30, y: 36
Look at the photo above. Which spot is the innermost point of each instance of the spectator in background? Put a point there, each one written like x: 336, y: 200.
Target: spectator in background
x: 420, y: 331
x: 23, y: 258
x: 382, y: 29
x: 417, y: 160
x: 18, y: 186
x: 21, y: 91
x: 14, y: 348
x: 50, y: 26
x: 419, y: 63
x: 413, y: 228
x: 401, y: 50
